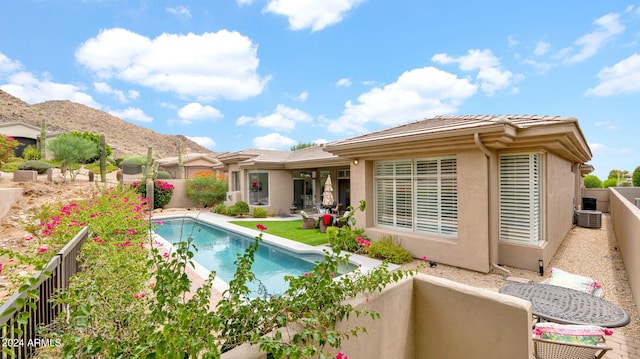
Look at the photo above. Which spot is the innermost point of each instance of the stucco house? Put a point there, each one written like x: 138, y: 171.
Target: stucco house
x: 27, y: 134
x: 470, y: 191
x: 277, y: 180
x: 191, y: 162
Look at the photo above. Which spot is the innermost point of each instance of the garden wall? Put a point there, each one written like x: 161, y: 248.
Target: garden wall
x: 179, y: 197
x: 8, y: 196
x: 430, y: 317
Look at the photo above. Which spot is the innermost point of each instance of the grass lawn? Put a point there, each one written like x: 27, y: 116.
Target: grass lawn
x: 289, y: 229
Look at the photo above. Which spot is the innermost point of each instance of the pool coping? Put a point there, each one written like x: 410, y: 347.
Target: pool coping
x: 363, y: 264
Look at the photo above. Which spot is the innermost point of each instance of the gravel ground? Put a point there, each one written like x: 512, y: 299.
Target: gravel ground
x: 585, y: 251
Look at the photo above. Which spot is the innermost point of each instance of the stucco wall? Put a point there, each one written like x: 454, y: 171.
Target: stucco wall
x: 179, y: 197
x: 429, y: 317
x: 280, y: 191
x: 8, y: 196
x: 625, y: 217
x: 470, y: 249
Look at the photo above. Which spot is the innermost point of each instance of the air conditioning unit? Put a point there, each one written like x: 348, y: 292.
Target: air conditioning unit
x: 589, y: 219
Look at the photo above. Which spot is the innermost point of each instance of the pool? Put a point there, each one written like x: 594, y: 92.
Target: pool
x: 218, y: 247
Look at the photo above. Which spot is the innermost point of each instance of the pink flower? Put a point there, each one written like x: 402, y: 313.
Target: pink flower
x: 165, y: 254
x: 608, y: 331
x: 306, y: 274
x: 42, y: 249
x: 1, y: 266
x: 342, y: 355
x: 261, y: 227
x: 132, y: 231
x: 28, y: 238
x: 424, y: 258
x: 332, y: 274
x: 159, y: 223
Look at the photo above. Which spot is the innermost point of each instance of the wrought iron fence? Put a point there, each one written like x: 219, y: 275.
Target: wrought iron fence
x: 22, y: 314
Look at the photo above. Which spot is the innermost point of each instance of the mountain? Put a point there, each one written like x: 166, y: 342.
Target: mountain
x: 125, y: 137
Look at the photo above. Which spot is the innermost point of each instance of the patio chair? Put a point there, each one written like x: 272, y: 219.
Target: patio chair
x: 555, y: 341
x: 551, y: 349
x: 574, y: 281
x: 336, y: 209
x: 307, y: 222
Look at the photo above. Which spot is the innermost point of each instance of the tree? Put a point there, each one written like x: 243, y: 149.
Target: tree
x: 71, y: 150
x: 617, y: 174
x: 592, y: 181
x: 301, y: 145
x: 95, y: 139
x: 7, y: 145
x: 206, y: 188
x: 635, y: 178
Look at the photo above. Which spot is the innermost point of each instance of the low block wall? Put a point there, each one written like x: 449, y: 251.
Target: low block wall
x: 179, y: 197
x: 8, y: 196
x: 428, y: 317
x: 25, y: 176
x: 625, y: 219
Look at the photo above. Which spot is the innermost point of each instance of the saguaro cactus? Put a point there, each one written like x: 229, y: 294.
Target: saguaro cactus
x: 103, y: 159
x: 180, y: 164
x: 149, y: 174
x: 43, y: 140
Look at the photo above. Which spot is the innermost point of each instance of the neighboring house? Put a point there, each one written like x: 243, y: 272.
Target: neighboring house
x: 470, y: 191
x: 278, y: 180
x: 27, y: 134
x: 191, y: 162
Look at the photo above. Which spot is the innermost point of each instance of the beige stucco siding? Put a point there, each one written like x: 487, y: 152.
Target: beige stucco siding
x: 280, y: 191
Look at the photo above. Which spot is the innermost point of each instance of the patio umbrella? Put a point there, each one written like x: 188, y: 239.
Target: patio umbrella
x: 327, y: 195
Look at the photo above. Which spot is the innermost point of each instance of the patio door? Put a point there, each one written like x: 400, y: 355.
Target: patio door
x: 303, y: 193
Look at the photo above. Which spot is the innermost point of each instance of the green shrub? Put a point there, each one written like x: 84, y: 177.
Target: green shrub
x: 95, y: 167
x: 162, y: 192
x: 239, y: 208
x: 591, y: 181
x: 635, y: 177
x: 260, y: 213
x: 12, y: 166
x: 31, y: 153
x: 388, y: 249
x: 220, y: 208
x: 164, y: 175
x: 611, y: 182
x: 39, y: 166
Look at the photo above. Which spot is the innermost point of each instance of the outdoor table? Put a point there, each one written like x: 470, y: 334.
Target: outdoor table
x: 564, y: 305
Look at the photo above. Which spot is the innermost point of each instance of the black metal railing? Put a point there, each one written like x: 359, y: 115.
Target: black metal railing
x: 22, y: 314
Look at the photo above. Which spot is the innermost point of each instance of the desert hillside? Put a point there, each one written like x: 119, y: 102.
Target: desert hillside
x: 128, y: 138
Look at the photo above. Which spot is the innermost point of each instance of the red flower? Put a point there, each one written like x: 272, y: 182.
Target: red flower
x: 261, y: 227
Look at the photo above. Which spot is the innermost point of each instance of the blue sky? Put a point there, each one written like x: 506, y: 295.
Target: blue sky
x: 274, y: 73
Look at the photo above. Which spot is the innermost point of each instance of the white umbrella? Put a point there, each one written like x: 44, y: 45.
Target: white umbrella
x: 327, y: 195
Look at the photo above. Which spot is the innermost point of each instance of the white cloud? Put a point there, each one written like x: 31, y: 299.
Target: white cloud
x: 207, y: 142
x: 282, y: 119
x: 490, y: 73
x: 7, y: 65
x: 105, y: 88
x: 621, y: 78
x: 599, y: 148
x: 512, y: 41
x: 132, y: 114
x: 208, y: 66
x: 345, y: 82
x: 28, y: 88
x: 311, y: 14
x: 273, y: 141
x: 417, y: 94
x: 180, y: 11
x: 303, y: 96
x: 244, y: 2
x: 196, y: 112
x: 588, y: 45
x: 541, y: 48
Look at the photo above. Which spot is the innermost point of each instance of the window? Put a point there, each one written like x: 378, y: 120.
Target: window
x: 259, y: 188
x: 418, y: 195
x: 520, y: 197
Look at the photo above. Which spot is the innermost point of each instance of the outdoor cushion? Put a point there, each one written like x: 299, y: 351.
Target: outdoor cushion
x: 573, y: 281
x: 580, y: 334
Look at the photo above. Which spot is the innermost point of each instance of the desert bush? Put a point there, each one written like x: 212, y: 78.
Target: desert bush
x: 388, y: 249
x: 39, y: 166
x: 239, y: 208
x: 31, y: 153
x: 7, y: 146
x: 259, y: 212
x: 220, y: 208
x: 164, y: 175
x: 206, y: 189
x: 162, y: 192
x: 12, y: 166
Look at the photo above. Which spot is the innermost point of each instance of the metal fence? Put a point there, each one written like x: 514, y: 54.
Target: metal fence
x: 24, y: 314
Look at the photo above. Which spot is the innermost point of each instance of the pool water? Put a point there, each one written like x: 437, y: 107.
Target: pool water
x: 218, y: 249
